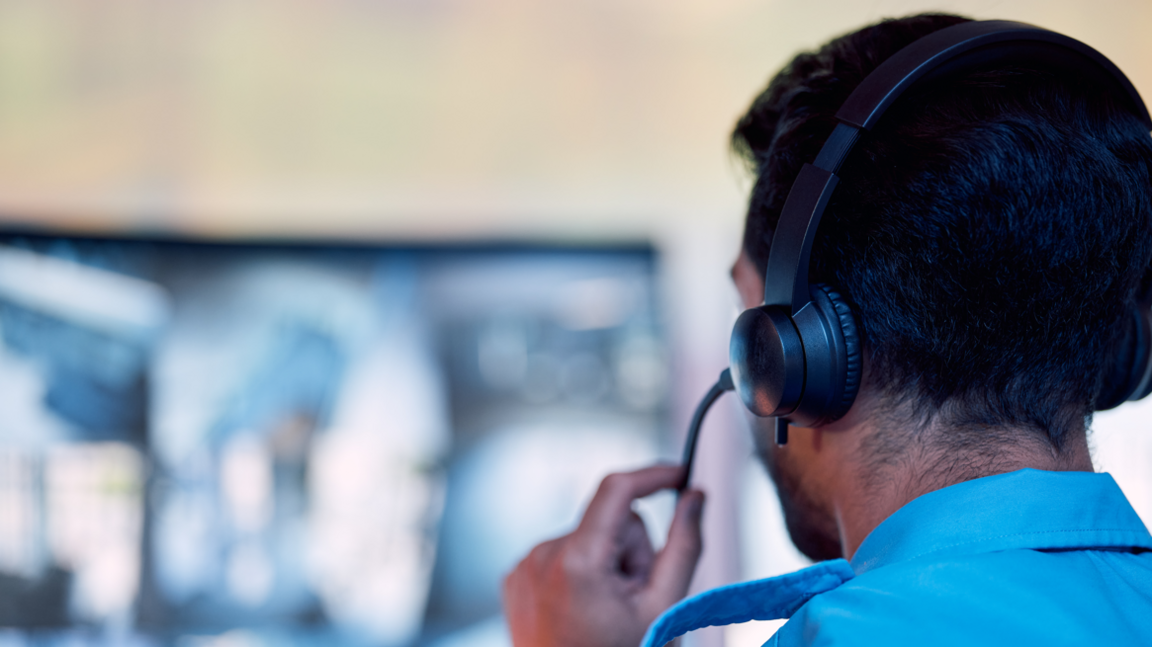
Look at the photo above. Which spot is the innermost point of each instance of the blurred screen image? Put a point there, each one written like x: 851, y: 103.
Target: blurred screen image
x: 258, y: 444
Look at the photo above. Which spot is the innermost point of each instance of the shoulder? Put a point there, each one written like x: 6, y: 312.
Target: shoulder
x: 1005, y: 598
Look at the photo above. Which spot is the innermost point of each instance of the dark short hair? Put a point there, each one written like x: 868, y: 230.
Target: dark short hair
x: 991, y: 232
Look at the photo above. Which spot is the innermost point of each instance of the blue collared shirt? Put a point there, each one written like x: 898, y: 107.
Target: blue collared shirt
x: 1025, y: 558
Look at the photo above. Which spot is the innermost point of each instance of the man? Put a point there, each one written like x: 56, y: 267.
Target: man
x: 991, y: 234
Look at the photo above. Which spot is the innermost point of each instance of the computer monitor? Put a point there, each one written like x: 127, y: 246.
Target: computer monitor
x: 209, y: 443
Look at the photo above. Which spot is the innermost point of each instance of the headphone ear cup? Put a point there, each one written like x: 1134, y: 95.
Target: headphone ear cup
x: 853, y: 362
x: 1142, y: 359
x: 1127, y: 375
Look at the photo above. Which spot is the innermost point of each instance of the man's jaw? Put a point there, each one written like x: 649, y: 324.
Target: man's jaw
x: 812, y: 529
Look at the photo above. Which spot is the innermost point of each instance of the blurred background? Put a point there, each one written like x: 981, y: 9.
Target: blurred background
x: 315, y: 316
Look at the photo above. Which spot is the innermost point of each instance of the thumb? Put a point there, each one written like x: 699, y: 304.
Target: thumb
x: 676, y: 562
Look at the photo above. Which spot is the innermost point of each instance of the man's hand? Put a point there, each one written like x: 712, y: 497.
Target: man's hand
x: 603, y: 584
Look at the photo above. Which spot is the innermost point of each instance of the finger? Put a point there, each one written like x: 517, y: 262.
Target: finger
x: 519, y: 602
x: 523, y: 586
x: 636, y: 553
x: 543, y: 553
x: 674, y: 565
x: 532, y: 567
x: 610, y: 508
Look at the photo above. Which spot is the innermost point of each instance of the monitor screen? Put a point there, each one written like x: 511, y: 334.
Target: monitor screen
x: 282, y: 443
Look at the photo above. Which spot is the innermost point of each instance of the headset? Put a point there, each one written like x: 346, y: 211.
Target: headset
x: 797, y: 357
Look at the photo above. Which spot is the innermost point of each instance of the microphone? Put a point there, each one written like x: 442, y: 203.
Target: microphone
x: 723, y: 384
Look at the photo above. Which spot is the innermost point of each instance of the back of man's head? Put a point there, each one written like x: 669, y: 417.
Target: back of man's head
x: 991, y: 232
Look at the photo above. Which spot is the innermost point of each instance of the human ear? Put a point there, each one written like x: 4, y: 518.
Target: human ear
x: 749, y: 283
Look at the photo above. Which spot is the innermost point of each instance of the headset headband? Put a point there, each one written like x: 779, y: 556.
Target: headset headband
x: 949, y: 50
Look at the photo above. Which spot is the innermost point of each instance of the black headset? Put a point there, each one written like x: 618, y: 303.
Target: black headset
x: 797, y: 358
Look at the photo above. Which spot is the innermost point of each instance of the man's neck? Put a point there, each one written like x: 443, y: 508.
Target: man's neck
x: 870, y: 490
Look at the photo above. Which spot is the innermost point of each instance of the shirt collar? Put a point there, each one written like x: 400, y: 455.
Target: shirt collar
x: 1025, y: 509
